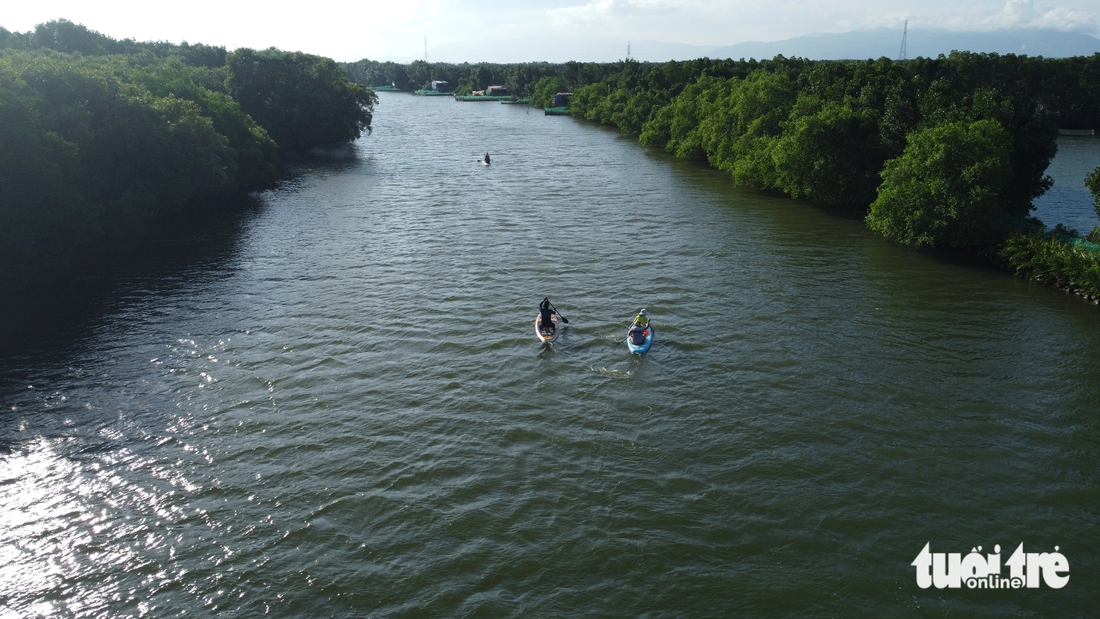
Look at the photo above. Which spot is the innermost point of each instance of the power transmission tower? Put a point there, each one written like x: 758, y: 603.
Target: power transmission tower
x: 426, y: 48
x: 904, y: 34
x: 628, y: 50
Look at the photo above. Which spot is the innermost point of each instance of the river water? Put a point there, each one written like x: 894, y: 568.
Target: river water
x: 1068, y: 201
x: 334, y: 404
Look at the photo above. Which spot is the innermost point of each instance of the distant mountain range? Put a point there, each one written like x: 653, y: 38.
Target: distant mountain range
x: 928, y: 43
x: 860, y: 44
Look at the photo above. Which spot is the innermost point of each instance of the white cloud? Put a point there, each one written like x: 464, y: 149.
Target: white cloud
x: 653, y: 13
x: 583, y: 15
x: 1015, y: 14
x: 1024, y: 14
x: 353, y: 29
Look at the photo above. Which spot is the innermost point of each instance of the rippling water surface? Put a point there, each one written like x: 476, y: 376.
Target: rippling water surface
x: 1069, y: 202
x: 335, y: 404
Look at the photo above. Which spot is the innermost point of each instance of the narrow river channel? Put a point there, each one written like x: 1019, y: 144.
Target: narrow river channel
x: 337, y: 405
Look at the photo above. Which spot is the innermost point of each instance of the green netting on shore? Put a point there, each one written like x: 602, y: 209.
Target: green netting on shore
x: 1076, y: 241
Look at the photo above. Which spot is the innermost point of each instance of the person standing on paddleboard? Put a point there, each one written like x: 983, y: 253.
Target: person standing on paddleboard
x: 487, y: 159
x: 546, y: 311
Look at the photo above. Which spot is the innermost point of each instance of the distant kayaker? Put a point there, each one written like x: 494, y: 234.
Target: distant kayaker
x: 487, y: 162
x: 546, y: 311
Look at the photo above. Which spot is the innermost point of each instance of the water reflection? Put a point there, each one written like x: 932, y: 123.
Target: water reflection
x: 177, y: 253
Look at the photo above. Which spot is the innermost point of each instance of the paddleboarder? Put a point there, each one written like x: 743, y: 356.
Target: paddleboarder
x: 546, y: 310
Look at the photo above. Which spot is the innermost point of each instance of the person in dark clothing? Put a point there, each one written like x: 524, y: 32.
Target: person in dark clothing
x: 639, y: 329
x: 546, y: 312
x: 487, y: 158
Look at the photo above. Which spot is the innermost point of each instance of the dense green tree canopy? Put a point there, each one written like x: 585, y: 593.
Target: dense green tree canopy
x: 544, y: 91
x: 99, y: 137
x: 93, y: 150
x: 302, y: 100
x: 948, y: 188
x: 829, y: 153
x: 825, y: 131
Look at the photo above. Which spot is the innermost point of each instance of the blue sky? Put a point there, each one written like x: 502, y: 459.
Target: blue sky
x: 396, y: 28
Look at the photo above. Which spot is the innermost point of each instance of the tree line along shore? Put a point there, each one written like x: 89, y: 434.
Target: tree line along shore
x: 100, y: 137
x: 944, y: 153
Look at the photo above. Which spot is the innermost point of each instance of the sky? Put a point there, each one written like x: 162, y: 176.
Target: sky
x: 396, y: 29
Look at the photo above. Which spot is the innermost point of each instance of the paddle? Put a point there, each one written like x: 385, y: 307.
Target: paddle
x: 563, y: 318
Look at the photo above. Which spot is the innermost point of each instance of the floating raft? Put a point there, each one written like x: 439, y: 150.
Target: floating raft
x: 483, y: 97
x: 527, y: 101
x: 432, y: 93
x: 557, y: 111
x: 1077, y: 131
x: 385, y: 88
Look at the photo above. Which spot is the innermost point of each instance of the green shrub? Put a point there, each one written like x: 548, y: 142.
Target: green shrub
x: 1092, y: 181
x: 1047, y: 259
x: 545, y: 90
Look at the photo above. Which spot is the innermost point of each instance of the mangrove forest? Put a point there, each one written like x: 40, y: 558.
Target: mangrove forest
x: 100, y: 137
